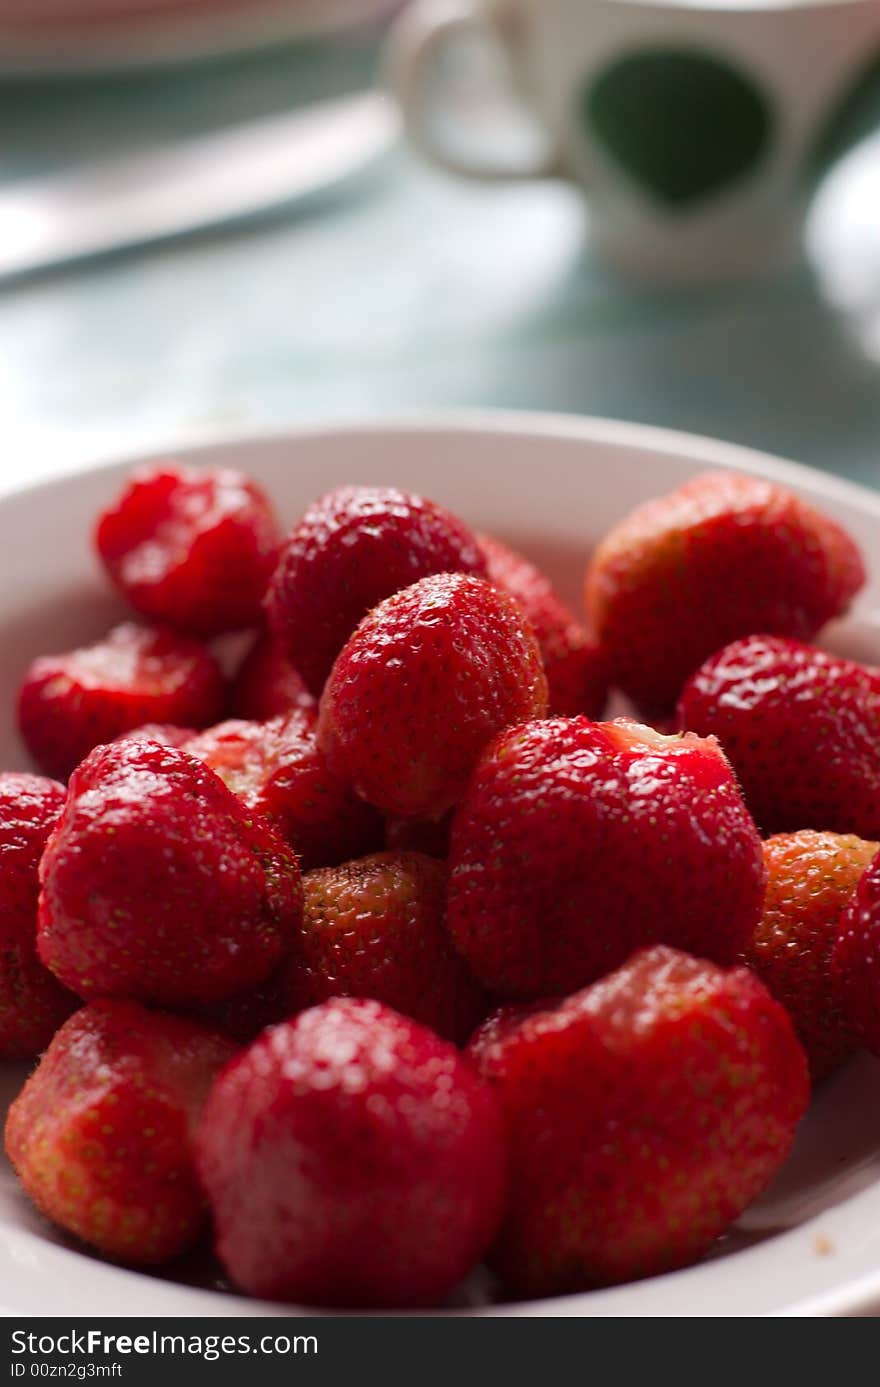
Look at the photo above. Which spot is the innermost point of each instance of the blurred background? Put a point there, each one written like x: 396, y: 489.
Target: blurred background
x: 327, y: 272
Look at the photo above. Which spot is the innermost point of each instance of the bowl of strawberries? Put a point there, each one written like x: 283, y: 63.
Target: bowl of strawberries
x: 440, y: 871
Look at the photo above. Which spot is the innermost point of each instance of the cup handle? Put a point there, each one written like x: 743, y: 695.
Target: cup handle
x: 415, y: 47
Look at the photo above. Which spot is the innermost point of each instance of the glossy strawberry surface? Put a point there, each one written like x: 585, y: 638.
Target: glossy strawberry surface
x: 191, y: 547
x: 426, y: 681
x: 352, y: 1159
x: 376, y: 927
x: 578, y: 842
x: 352, y: 548
x: 802, y: 731
x: 575, y: 666
x: 277, y: 769
x: 720, y: 557
x: 33, y: 1004
x: 643, y: 1114
x: 158, y: 884
x: 70, y: 703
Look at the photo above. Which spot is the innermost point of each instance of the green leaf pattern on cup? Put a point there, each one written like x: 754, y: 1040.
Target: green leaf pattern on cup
x: 684, y: 124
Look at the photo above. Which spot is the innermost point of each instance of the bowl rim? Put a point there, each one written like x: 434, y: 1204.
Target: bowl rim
x: 861, y: 1295
x: 483, y: 422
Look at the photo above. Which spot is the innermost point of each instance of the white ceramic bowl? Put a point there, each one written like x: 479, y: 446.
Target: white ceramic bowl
x: 552, y: 486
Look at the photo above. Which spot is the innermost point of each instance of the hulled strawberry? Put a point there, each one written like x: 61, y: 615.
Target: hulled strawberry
x: 277, y: 769
x: 718, y: 558
x: 377, y: 928
x: 159, y: 884
x: 811, y: 880
x: 428, y: 678
x: 352, y: 1158
x: 354, y: 547
x: 575, y: 666
x: 70, y: 703
x: 801, y: 728
x: 32, y: 1002
x: 643, y: 1115
x: 578, y: 842
x: 101, y: 1134
x: 191, y: 547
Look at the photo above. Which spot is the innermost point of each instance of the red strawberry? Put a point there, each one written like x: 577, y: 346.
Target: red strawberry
x: 158, y: 883
x: 428, y: 678
x: 801, y: 728
x: 578, y: 842
x: 377, y: 928
x: 855, y: 962
x: 719, y: 558
x: 70, y: 703
x: 352, y: 1158
x: 430, y: 836
x: 811, y: 878
x: 276, y: 768
x: 32, y: 1002
x: 352, y: 548
x: 575, y: 666
x: 266, y: 684
x: 193, y: 548
x: 101, y: 1134
x: 644, y: 1114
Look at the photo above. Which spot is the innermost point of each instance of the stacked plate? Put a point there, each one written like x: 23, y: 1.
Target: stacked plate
x: 46, y: 37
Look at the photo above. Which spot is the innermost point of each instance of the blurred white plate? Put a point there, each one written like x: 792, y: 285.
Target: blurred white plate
x: 552, y: 485
x: 180, y: 33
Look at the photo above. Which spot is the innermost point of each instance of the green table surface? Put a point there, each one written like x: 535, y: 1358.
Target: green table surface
x: 409, y: 290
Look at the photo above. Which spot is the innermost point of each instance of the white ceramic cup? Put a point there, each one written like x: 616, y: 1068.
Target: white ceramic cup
x: 697, y: 128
